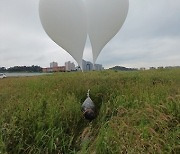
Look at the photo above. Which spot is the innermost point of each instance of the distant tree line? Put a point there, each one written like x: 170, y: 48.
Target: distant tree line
x: 21, y: 69
x: 2, y: 69
x: 120, y: 68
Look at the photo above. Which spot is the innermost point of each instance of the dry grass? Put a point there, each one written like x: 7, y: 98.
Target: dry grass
x: 138, y: 112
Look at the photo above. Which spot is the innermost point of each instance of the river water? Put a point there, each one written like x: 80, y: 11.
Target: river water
x: 24, y: 74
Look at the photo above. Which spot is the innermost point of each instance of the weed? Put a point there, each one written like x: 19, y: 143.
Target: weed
x: 137, y: 112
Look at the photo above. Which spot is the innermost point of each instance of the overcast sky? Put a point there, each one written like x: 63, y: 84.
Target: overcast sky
x: 149, y: 37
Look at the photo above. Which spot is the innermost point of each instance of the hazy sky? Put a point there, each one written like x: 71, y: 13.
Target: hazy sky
x: 149, y: 37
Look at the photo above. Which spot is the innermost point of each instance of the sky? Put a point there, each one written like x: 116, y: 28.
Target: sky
x: 150, y: 37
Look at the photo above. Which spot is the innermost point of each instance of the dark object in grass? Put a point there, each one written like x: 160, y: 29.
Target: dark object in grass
x: 88, y: 108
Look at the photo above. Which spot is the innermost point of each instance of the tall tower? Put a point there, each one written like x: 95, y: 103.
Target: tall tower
x: 53, y: 64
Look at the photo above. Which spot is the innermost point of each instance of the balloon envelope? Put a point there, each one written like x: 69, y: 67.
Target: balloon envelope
x: 65, y: 22
x: 105, y: 18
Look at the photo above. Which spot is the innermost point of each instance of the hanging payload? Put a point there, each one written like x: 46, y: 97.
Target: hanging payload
x: 88, y: 108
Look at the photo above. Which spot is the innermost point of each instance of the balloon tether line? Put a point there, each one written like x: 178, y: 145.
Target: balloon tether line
x: 88, y: 92
x: 85, y: 79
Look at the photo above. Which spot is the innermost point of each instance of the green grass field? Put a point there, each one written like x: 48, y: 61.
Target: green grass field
x: 137, y: 112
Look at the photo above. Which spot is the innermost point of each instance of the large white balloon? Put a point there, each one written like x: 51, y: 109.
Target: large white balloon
x: 65, y: 22
x: 105, y: 18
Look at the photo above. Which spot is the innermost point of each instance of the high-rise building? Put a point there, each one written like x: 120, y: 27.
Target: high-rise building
x: 88, y: 66
x: 70, y: 66
x: 53, y: 64
x: 98, y: 67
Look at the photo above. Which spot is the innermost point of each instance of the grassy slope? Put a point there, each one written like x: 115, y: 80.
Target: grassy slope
x: 138, y: 112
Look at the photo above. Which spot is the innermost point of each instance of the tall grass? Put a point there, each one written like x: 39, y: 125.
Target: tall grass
x: 137, y: 112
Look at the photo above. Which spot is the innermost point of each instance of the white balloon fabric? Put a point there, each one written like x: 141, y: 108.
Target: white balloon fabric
x: 65, y: 23
x: 105, y: 18
x: 68, y: 22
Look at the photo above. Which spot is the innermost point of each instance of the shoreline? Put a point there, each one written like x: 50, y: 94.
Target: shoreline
x: 24, y: 74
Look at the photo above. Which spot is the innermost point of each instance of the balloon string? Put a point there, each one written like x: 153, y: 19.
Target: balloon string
x: 88, y: 92
x: 85, y: 79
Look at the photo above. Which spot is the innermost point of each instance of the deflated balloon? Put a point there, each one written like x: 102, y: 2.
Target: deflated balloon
x: 105, y: 18
x: 65, y: 22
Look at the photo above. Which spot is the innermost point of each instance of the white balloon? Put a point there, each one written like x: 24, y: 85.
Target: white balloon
x: 105, y: 18
x: 65, y: 22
